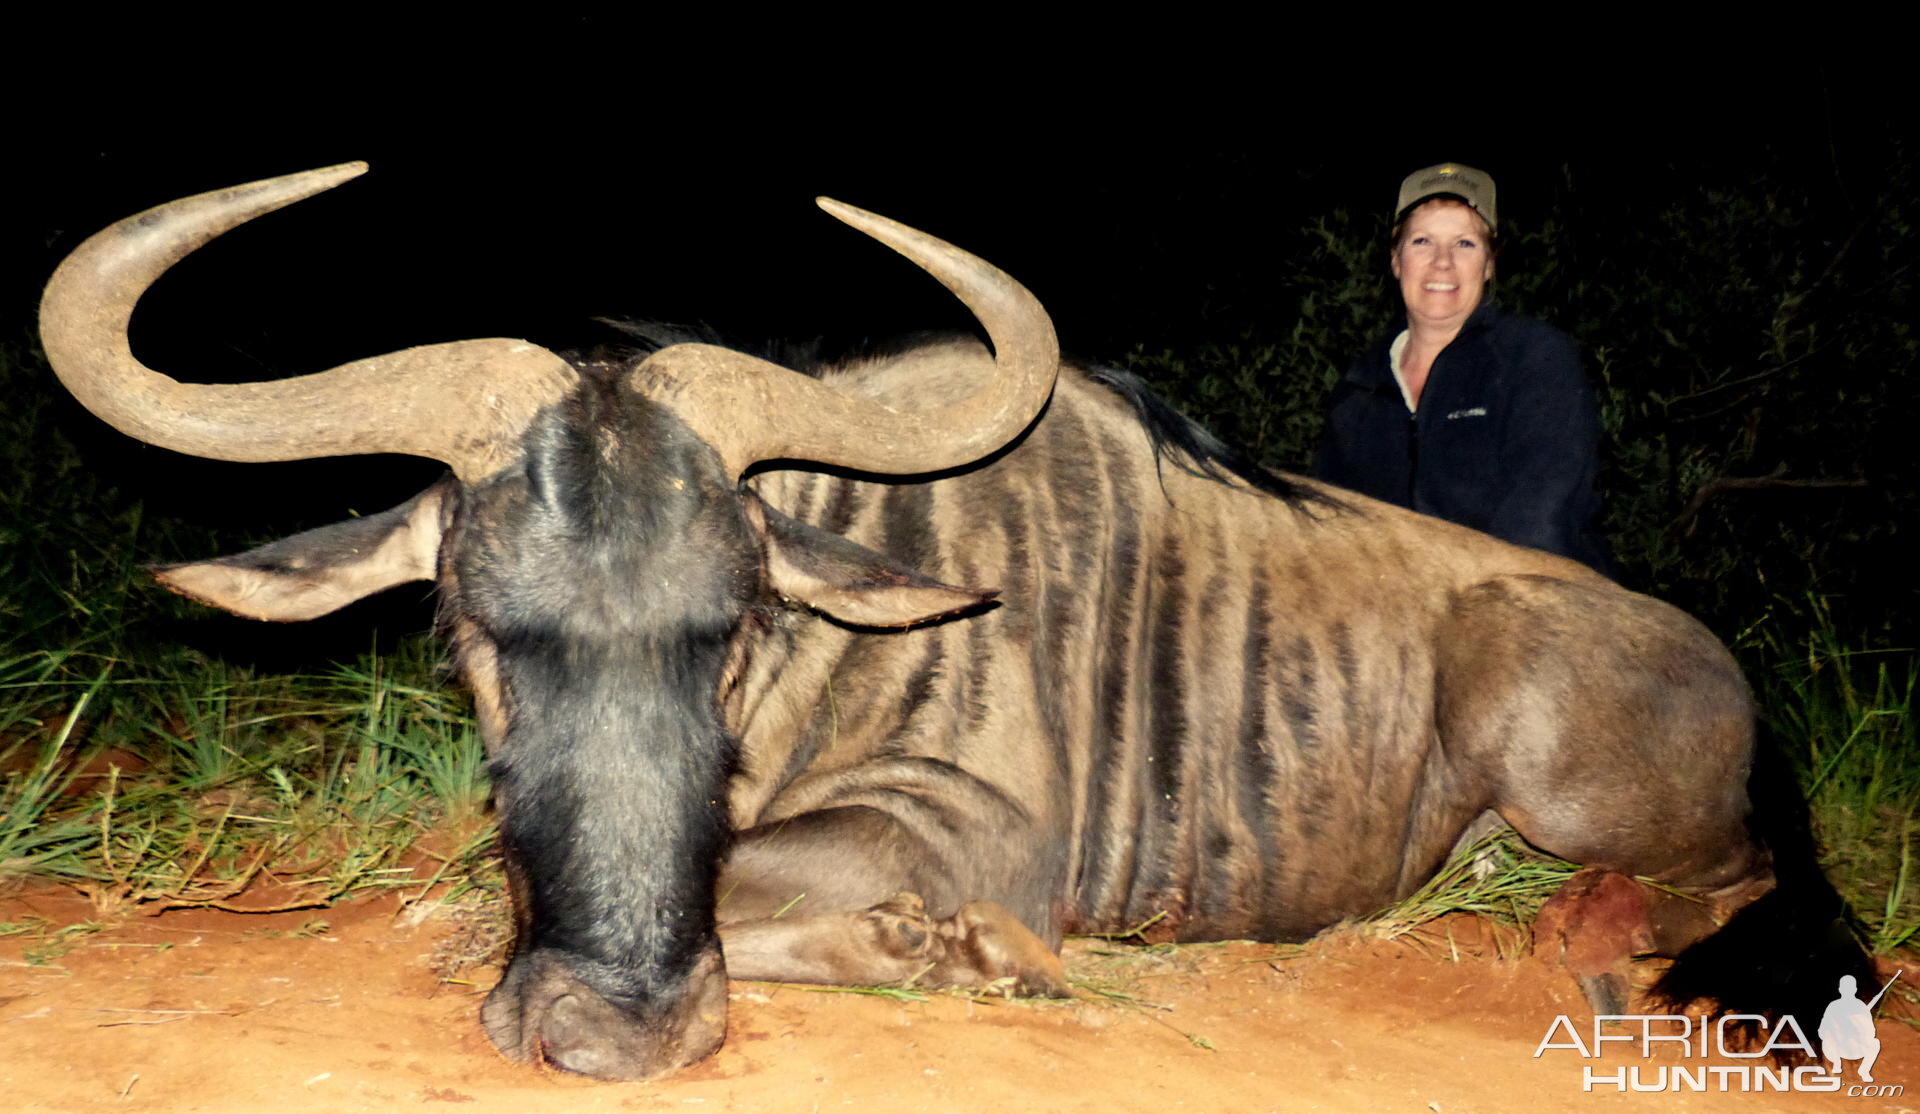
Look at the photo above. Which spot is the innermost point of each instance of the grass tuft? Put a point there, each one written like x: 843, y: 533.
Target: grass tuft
x: 1499, y: 877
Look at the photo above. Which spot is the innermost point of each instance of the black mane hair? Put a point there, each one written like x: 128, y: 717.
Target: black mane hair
x: 643, y: 338
x: 1187, y: 445
x: 1177, y: 439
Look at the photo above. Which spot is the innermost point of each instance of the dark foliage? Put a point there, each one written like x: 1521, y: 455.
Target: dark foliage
x: 1750, y: 329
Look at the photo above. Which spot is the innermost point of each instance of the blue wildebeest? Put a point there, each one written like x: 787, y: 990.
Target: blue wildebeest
x: 1194, y: 686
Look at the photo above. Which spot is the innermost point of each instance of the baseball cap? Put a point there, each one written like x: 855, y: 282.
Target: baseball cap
x: 1473, y: 186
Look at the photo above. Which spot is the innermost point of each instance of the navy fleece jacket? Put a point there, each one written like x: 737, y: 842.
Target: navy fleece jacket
x: 1505, y: 439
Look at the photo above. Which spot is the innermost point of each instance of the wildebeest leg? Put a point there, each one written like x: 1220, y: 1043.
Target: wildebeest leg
x: 850, y: 896
x: 1614, y: 731
x: 895, y: 941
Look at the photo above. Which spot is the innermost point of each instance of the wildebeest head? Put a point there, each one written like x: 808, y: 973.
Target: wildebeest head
x: 597, y: 560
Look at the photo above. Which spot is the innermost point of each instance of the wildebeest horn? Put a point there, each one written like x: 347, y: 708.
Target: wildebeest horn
x: 752, y: 410
x: 462, y: 403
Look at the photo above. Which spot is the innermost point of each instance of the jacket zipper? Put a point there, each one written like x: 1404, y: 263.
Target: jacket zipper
x: 1413, y: 459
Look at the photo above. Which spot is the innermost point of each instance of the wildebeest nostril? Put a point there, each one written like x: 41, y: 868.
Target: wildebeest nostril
x: 568, y: 1040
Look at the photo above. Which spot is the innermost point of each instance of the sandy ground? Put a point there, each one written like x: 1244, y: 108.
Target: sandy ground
x: 195, y: 1011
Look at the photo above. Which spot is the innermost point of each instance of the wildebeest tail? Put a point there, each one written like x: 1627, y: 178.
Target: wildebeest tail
x: 1785, y: 953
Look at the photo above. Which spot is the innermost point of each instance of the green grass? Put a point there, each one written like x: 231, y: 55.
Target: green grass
x: 227, y: 790
x: 1846, y: 717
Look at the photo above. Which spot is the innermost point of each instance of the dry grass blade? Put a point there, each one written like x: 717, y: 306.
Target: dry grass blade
x: 896, y: 993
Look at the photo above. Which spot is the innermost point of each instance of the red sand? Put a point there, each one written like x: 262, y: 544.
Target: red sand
x: 231, y: 1014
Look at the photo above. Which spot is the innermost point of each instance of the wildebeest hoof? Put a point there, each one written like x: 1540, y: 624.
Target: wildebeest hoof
x: 998, y: 945
x: 902, y: 925
x: 983, y: 944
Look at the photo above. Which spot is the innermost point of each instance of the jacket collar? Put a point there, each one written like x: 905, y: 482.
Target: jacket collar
x: 1481, y: 319
x: 1374, y: 372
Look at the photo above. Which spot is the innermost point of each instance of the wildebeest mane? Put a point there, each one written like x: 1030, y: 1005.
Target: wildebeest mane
x: 643, y: 338
x: 1189, y: 446
x: 1177, y: 439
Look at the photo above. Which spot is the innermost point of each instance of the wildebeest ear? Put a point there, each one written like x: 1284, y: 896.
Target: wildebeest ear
x: 310, y: 574
x: 850, y: 582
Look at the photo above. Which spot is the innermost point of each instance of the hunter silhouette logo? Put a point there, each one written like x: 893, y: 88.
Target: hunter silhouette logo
x: 1846, y: 1029
x: 1846, y: 1034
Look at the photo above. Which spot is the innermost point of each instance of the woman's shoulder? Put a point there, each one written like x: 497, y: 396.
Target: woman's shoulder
x: 1373, y: 366
x: 1529, y: 338
x: 1493, y: 317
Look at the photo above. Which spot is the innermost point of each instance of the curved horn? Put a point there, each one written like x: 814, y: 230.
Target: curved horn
x: 755, y: 410
x: 463, y: 403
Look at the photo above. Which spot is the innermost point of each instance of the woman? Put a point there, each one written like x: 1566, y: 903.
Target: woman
x: 1469, y: 414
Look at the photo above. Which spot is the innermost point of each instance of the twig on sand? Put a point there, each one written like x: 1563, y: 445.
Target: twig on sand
x: 1131, y: 1000
x: 36, y: 966
x: 130, y: 1009
x: 161, y: 1017
x: 154, y: 1021
x: 1131, y: 933
x: 898, y: 994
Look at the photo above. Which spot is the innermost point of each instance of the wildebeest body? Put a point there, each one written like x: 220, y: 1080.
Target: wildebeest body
x: 1077, y: 667
x: 1201, y: 700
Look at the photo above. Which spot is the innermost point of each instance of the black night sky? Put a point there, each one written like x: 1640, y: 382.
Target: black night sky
x: 1136, y: 214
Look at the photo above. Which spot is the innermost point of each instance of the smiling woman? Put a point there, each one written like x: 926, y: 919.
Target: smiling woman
x: 1468, y: 413
x: 1443, y: 258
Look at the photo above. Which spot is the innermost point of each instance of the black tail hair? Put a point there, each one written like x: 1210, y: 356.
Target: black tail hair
x: 1785, y: 953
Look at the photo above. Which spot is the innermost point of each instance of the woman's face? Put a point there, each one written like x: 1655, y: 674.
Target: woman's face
x: 1443, y: 262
